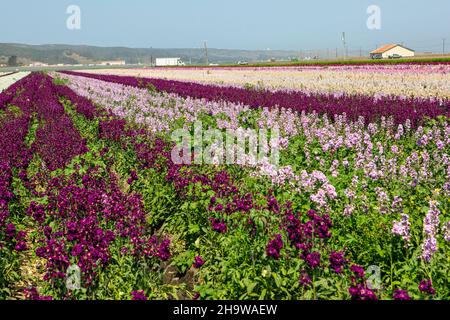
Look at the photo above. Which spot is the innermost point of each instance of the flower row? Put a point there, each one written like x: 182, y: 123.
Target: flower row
x: 355, y: 106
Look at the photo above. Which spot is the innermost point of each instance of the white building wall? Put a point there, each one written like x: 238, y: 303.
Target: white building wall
x: 400, y: 51
x: 163, y: 62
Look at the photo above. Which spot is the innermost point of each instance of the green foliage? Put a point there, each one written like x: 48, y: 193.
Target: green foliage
x: 60, y: 81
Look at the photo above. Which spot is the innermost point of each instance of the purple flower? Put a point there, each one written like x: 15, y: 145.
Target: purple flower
x: 33, y: 294
x: 313, y: 259
x: 401, y: 295
x: 77, y: 250
x: 358, y: 271
x: 427, y: 287
x: 430, y: 230
x: 337, y: 261
x: 274, y: 247
x: 10, y: 231
x: 361, y: 292
x: 36, y: 211
x: 134, y: 177
x: 198, y: 262
x: 218, y: 225
x: 138, y: 295
x: 402, y: 228
x: 305, y: 279
x: 21, y: 246
x: 164, y: 250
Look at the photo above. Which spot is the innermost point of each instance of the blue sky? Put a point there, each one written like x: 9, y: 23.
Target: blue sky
x: 236, y: 24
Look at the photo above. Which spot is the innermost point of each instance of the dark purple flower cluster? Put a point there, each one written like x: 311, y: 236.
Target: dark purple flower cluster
x: 89, y: 217
x: 354, y: 105
x: 305, y: 279
x: 198, y: 262
x: 139, y: 295
x: 272, y: 204
x: 134, y: 177
x: 360, y: 291
x: 33, y: 294
x: 274, y: 247
x: 155, y: 155
x: 321, y: 225
x: 218, y: 225
x: 9, y: 236
x: 313, y: 259
x: 337, y: 261
x: 426, y: 286
x: 36, y: 211
x: 163, y: 250
x: 358, y: 271
x: 12, y: 148
x: 112, y: 130
x: 5, y: 193
x: 401, y: 295
x: 302, y: 234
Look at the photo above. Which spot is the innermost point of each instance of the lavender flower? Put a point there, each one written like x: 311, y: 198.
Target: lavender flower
x: 402, y: 228
x: 446, y: 230
x: 430, y: 228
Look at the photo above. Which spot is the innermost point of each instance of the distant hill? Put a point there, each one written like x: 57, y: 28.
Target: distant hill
x: 82, y: 54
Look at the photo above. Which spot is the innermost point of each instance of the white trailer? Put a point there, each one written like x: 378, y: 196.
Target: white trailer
x: 168, y: 62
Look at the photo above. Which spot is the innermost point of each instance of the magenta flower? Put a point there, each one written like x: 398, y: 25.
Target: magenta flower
x: 138, y: 295
x: 198, y: 262
x: 313, y: 259
x: 337, y: 261
x: 401, y: 295
x: 427, y: 287
x: 358, y: 271
x: 274, y: 247
x: 305, y: 279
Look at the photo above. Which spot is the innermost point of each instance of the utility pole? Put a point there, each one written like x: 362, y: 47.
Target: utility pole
x: 443, y: 45
x: 151, y: 56
x: 344, y: 44
x: 206, y: 53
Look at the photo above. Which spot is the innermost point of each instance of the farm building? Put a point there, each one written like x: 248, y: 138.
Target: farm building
x: 391, y: 51
x: 165, y: 62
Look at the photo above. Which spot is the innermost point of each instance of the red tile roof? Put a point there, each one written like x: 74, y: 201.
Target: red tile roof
x: 385, y: 48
